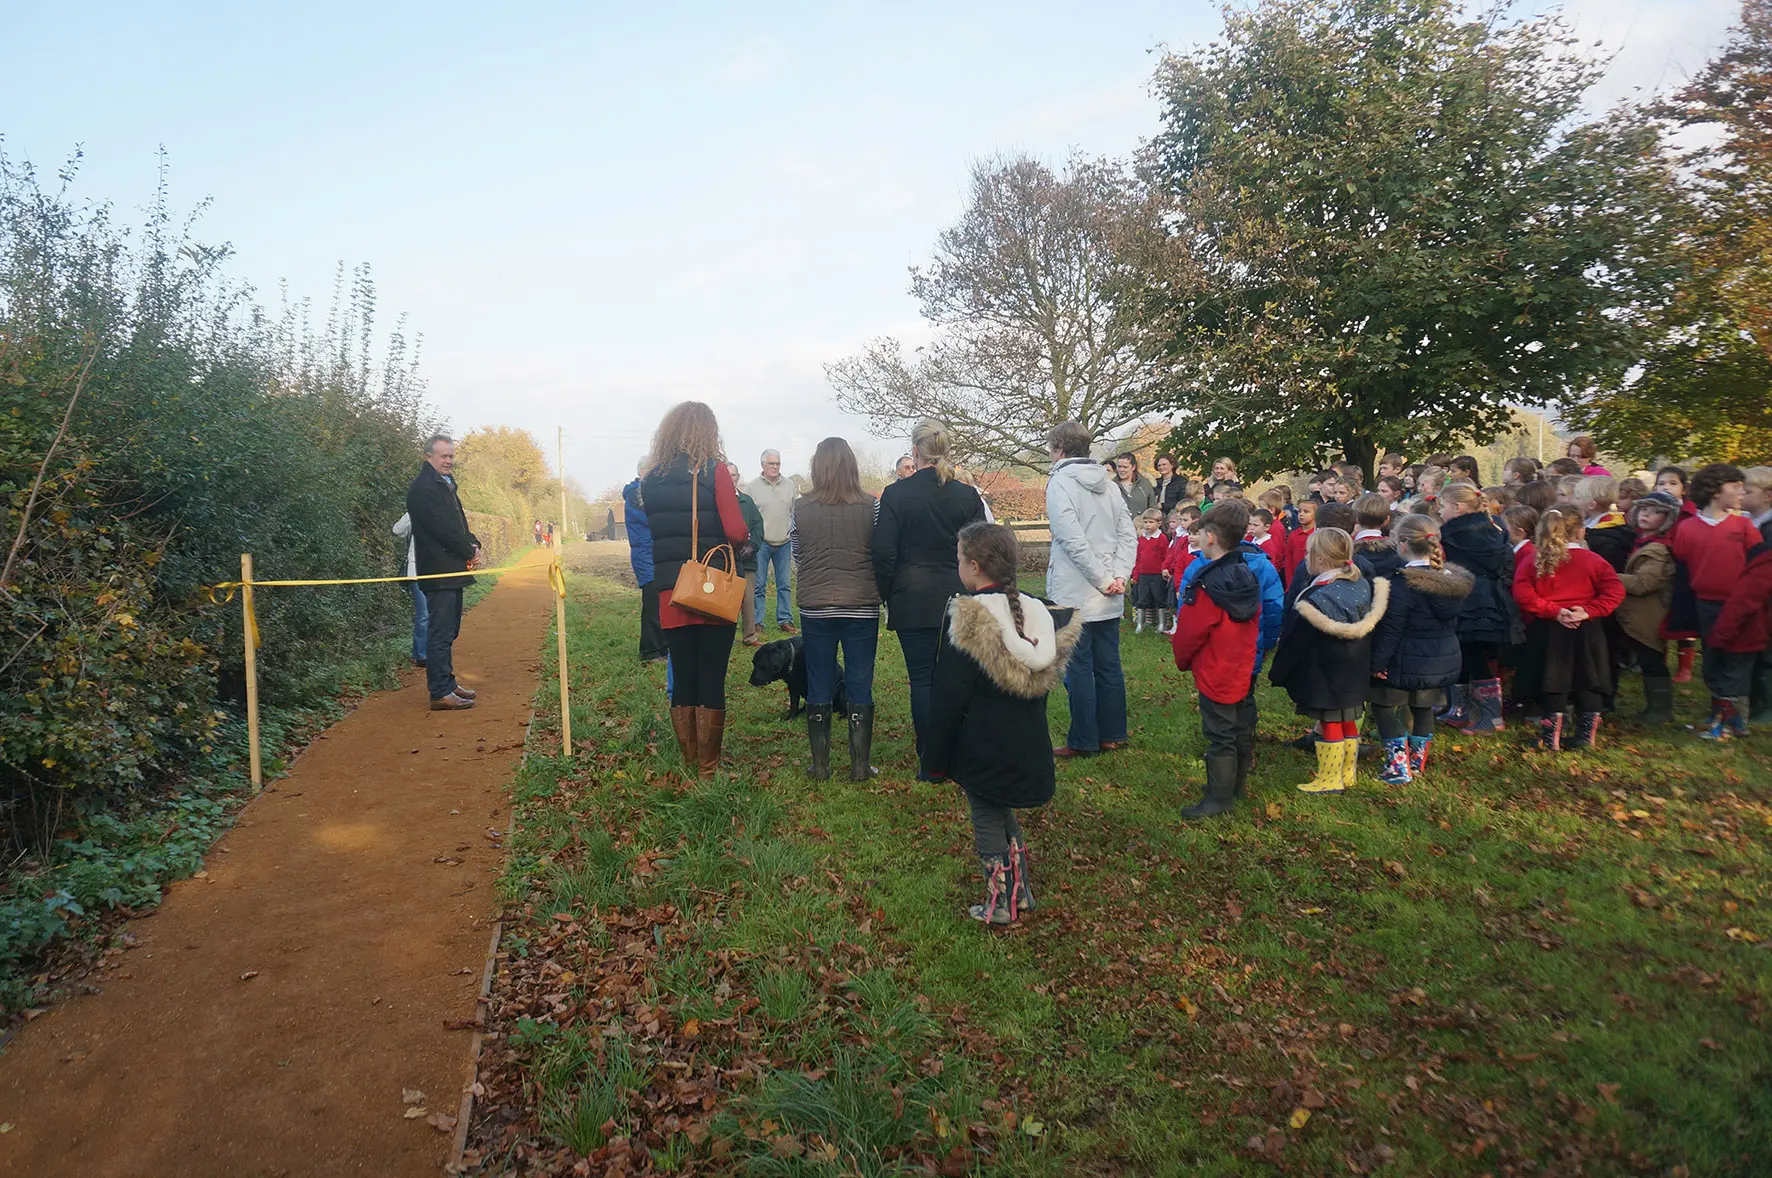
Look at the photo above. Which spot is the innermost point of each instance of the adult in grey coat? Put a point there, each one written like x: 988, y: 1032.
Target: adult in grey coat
x: 1093, y: 545
x: 1140, y: 495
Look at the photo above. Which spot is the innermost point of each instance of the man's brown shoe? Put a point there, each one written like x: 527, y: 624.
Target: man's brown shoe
x: 451, y: 703
x: 465, y: 693
x: 1065, y: 750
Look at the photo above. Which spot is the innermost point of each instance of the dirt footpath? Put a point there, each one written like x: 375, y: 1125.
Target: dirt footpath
x: 272, y: 1012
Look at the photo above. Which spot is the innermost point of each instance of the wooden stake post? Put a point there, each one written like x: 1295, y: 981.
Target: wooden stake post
x: 252, y: 749
x: 560, y: 597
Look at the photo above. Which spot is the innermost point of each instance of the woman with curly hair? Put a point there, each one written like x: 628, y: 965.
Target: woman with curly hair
x: 692, y: 507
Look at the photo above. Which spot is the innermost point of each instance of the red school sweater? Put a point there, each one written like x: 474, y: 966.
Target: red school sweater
x: 1274, y: 544
x: 1714, y: 553
x: 1585, y: 580
x: 1176, y: 562
x: 1295, y: 545
x: 1151, y: 551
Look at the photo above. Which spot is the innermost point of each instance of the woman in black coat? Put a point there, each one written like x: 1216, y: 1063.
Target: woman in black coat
x: 1170, y: 488
x: 1477, y: 544
x: 914, y: 543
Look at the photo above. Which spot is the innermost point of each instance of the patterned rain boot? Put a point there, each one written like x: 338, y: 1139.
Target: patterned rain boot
x: 1550, y: 733
x: 1419, y: 747
x: 1396, y: 761
x: 1738, y: 718
x: 1328, y: 780
x: 1487, y: 718
x: 997, y: 907
x: 1350, y: 762
x: 1587, y: 732
x: 1020, y: 880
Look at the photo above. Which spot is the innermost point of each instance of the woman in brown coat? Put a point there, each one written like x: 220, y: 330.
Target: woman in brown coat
x: 1648, y: 580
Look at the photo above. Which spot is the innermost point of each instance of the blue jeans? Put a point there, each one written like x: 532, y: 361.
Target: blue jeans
x: 421, y: 619
x: 919, y: 647
x: 860, y: 638
x: 1096, y: 686
x: 778, y: 555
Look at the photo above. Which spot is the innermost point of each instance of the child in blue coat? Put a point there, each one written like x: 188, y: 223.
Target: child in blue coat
x: 1415, y: 651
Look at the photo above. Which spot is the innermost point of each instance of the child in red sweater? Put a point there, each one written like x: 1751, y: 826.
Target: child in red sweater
x: 1713, y: 547
x: 1180, y: 555
x: 1300, y: 537
x: 1269, y: 535
x: 1216, y: 630
x: 1564, y: 592
x: 1150, y: 592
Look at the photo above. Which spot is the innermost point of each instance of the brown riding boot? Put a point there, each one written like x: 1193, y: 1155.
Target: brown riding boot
x: 710, y: 727
x: 683, y: 724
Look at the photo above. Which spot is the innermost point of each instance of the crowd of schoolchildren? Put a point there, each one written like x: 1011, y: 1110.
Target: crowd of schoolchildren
x: 1435, y: 600
x: 1430, y: 600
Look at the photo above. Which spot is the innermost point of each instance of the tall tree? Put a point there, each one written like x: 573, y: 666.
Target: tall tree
x: 1390, y: 229
x: 1705, y: 387
x: 1027, y: 331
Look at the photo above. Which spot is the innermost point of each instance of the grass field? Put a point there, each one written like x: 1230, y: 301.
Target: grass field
x: 1523, y: 964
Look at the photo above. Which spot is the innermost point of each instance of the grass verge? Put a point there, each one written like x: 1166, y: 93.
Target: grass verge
x: 1522, y: 964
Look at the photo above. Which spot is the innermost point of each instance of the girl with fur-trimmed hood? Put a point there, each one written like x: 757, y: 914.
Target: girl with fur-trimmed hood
x: 1324, y: 659
x: 1415, y: 650
x: 1001, y: 653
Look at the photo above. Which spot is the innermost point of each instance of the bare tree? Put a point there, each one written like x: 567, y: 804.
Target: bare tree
x: 1021, y: 293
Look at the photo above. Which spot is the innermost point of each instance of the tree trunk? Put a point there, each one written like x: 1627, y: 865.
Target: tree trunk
x: 1361, y: 451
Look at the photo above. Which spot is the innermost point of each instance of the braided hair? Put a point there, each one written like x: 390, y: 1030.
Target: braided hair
x: 998, y: 553
x: 1418, y: 537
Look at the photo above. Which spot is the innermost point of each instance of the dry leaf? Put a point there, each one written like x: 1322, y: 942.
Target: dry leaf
x: 1274, y: 810
x: 415, y: 1113
x: 1299, y: 1118
x: 692, y: 1028
x: 441, y: 1122
x: 411, y: 1096
x: 249, y: 975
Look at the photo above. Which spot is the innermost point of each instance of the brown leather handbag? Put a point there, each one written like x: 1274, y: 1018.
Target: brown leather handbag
x: 701, y: 588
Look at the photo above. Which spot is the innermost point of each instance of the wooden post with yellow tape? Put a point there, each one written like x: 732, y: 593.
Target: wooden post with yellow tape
x: 249, y: 623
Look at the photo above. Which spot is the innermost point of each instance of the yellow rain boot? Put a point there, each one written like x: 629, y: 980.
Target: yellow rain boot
x: 1329, y: 769
x: 1350, y: 762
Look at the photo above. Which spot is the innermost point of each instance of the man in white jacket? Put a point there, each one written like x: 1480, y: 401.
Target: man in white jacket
x: 1093, y: 545
x: 421, y: 614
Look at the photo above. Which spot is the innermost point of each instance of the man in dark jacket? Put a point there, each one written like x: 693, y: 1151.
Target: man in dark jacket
x: 442, y: 544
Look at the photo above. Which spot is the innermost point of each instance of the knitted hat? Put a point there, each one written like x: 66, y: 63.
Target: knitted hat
x: 1660, y: 499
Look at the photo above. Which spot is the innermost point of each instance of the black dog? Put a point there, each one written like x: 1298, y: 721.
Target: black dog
x: 785, y: 660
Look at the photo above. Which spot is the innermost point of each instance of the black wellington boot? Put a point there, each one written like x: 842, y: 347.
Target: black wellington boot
x: 1221, y: 786
x: 861, y: 742
x: 818, y: 734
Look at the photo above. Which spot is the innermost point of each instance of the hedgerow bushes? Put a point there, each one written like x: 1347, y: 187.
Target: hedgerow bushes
x: 183, y: 424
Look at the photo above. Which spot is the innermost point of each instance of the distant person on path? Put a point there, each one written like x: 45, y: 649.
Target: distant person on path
x: 906, y: 467
x: 538, y: 533
x: 421, y: 613
x: 832, y: 537
x: 774, y: 496
x: 913, y: 549
x: 441, y: 543
x: 1093, y: 551
x: 609, y: 528
x: 689, y: 496
x: 747, y: 559
x: 550, y: 533
x: 652, y: 643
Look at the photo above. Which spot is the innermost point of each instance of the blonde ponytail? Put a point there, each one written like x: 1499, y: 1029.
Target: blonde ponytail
x: 1556, y: 528
x: 929, y: 442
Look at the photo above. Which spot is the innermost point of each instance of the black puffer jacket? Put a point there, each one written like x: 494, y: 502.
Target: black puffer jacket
x: 1476, y: 545
x: 989, y: 732
x: 1381, y: 553
x: 666, y: 494
x: 1324, y: 659
x: 1416, y: 644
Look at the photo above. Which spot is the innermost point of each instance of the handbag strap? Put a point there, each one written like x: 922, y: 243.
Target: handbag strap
x: 694, y: 515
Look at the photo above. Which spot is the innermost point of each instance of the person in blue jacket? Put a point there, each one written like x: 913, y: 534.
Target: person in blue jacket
x: 652, y: 645
x: 1273, y: 594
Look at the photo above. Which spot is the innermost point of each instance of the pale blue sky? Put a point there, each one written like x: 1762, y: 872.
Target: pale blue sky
x: 592, y: 211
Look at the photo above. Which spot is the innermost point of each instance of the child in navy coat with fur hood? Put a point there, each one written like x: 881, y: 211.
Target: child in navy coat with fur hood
x: 1001, y: 654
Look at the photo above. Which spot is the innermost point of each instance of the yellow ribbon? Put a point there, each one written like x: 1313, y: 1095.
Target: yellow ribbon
x: 556, y: 578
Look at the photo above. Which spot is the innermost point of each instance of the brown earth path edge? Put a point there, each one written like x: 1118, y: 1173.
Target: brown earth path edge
x: 273, y: 1011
